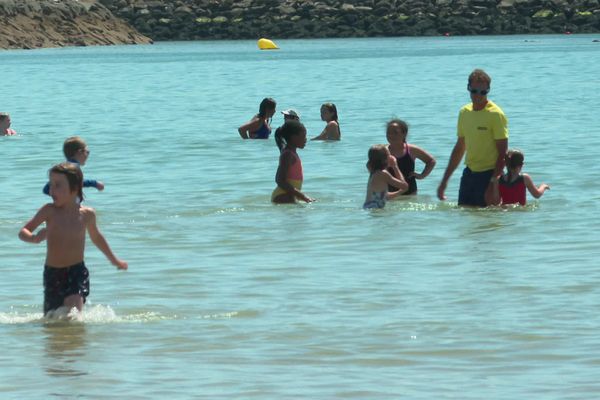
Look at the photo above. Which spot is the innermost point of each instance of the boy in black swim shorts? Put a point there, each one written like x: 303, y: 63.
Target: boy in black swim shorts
x: 66, y: 279
x: 59, y: 283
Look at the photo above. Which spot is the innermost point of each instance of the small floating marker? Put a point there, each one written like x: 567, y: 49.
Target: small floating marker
x: 266, y: 44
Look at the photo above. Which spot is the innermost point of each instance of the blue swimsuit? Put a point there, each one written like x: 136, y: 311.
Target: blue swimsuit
x: 262, y: 133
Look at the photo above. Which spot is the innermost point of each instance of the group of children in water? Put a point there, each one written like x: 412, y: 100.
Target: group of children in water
x: 391, y: 167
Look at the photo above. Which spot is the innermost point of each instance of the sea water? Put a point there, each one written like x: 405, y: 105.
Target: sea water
x: 229, y: 296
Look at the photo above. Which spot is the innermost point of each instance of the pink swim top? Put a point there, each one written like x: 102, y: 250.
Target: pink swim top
x: 295, y: 170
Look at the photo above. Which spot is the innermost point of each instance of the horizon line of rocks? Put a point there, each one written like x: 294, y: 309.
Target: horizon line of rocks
x: 250, y: 19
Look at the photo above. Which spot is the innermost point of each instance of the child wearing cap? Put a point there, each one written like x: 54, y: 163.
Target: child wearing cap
x: 288, y: 115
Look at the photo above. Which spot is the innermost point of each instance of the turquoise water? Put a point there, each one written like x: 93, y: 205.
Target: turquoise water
x: 229, y: 296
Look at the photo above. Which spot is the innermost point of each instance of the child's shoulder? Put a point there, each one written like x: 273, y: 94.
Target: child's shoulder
x: 87, y: 212
x: 381, y: 174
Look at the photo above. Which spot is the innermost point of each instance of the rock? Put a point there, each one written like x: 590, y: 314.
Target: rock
x: 249, y: 19
x: 31, y: 24
x: 543, y: 14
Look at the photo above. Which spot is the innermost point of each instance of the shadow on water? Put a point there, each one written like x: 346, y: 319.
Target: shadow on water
x: 65, y: 346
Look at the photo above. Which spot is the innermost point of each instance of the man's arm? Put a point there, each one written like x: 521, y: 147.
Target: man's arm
x: 455, y: 157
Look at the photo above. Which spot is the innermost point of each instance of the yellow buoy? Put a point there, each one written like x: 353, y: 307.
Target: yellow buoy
x: 266, y: 44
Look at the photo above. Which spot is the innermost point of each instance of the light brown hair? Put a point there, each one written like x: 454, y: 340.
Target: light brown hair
x: 378, y: 159
x: 73, y: 174
x: 72, y: 145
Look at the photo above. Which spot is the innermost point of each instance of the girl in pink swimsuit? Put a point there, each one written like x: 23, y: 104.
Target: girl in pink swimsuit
x: 291, y: 136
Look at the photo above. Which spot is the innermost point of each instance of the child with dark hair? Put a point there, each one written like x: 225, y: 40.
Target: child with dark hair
x: 406, y: 154
x: 259, y: 127
x: 76, y: 152
x: 510, y: 187
x: 331, y: 131
x: 377, y: 188
x: 289, y: 137
x: 66, y: 278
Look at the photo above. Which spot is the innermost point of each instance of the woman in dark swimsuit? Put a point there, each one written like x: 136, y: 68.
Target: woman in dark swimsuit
x: 396, y: 133
x: 259, y: 126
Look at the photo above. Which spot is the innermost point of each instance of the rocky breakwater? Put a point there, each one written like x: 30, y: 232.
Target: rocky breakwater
x: 251, y: 19
x: 29, y: 24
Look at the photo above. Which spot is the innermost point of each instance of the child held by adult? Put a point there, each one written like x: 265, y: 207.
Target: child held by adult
x: 259, y: 127
x: 380, y: 179
x: 5, y: 125
x: 406, y: 154
x: 332, y: 129
x: 510, y: 187
x: 66, y: 278
x: 77, y: 152
x: 290, y: 137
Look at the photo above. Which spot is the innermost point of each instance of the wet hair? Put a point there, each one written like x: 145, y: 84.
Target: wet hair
x: 4, y: 116
x: 73, y: 174
x: 514, y: 158
x: 266, y: 104
x: 378, y: 157
x: 332, y: 109
x: 403, y: 125
x: 479, y: 75
x: 72, y: 145
x: 286, y: 131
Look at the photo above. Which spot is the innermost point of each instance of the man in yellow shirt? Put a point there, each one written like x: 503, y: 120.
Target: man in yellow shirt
x: 483, y: 134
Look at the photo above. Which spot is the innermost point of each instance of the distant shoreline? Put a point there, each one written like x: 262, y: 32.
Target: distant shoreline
x: 27, y: 24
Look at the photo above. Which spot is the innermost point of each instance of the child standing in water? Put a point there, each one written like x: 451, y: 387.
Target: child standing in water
x: 5, y: 125
x: 259, y: 127
x: 406, y: 154
x: 380, y: 179
x: 77, y: 152
x: 510, y: 188
x: 289, y: 137
x: 332, y: 129
x: 66, y: 279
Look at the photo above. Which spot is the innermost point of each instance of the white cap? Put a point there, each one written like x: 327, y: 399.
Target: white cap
x: 291, y: 112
